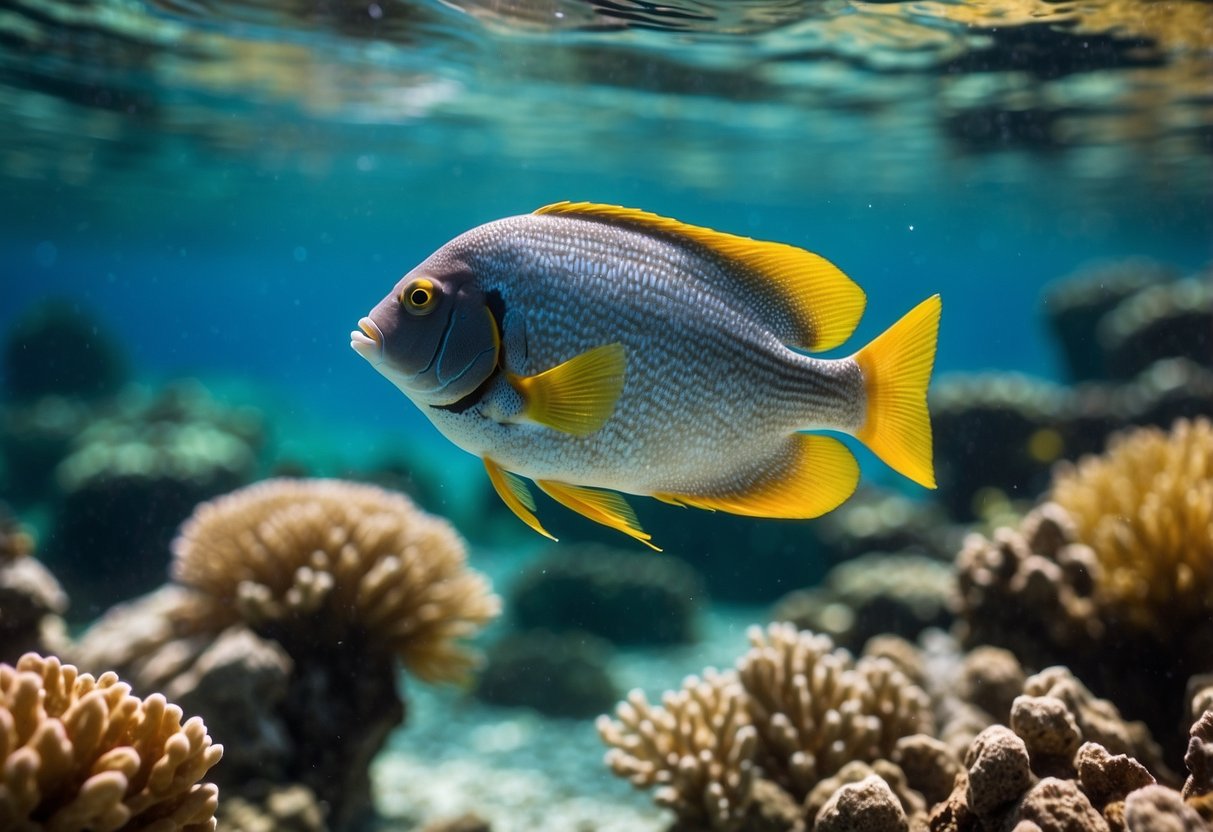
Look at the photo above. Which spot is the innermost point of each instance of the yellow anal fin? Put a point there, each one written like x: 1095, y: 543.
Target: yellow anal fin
x: 514, y: 493
x: 816, y: 474
x: 896, y: 370
x: 605, y: 507
x: 577, y: 396
x: 806, y: 300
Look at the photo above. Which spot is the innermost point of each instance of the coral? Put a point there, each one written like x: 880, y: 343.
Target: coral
x: 999, y: 771
x: 1170, y: 320
x: 866, y: 806
x: 132, y: 477
x: 296, y: 599
x: 31, y: 600
x: 815, y: 709
x: 697, y: 747
x: 993, y: 432
x: 1075, y: 305
x: 56, y: 349
x: 1159, y: 809
x: 558, y: 674
x: 929, y: 766
x: 463, y: 823
x: 1113, y: 577
x: 851, y: 807
x: 35, y: 436
x: 1054, y: 804
x: 624, y: 597
x: 266, y: 809
x: 1198, y: 788
x: 82, y: 753
x: 1146, y: 509
x: 878, y: 521
x: 328, y: 565
x: 871, y: 595
x: 1106, y: 778
x: 991, y: 678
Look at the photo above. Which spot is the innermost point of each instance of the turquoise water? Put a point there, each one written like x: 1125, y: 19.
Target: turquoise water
x: 224, y: 187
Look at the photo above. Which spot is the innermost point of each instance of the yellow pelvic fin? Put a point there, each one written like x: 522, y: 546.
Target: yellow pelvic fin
x: 896, y: 370
x: 514, y: 493
x: 815, y: 474
x: 806, y: 300
x: 577, y: 396
x: 605, y: 507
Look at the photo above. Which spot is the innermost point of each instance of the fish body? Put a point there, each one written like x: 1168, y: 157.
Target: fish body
x: 590, y: 347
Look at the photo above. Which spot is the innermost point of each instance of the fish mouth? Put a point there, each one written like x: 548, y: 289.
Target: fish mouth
x: 367, y: 340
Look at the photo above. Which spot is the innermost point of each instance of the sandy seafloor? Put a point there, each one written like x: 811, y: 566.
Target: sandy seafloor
x: 524, y: 772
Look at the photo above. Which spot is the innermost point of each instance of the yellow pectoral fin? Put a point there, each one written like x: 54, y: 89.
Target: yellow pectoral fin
x: 577, y: 396
x: 514, y: 493
x: 605, y: 507
x: 816, y: 474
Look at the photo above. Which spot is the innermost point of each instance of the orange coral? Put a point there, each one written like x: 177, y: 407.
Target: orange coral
x: 78, y: 752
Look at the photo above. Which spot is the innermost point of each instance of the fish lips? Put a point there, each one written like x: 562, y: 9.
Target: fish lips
x: 367, y: 341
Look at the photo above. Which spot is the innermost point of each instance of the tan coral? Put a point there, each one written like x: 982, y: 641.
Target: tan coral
x: 1146, y: 509
x: 815, y: 709
x: 697, y: 747
x: 80, y: 752
x: 339, y: 563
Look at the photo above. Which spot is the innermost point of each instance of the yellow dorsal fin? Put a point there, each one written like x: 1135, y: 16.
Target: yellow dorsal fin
x: 514, y: 493
x: 806, y: 300
x: 813, y: 475
x: 896, y: 370
x: 577, y: 396
x: 605, y: 507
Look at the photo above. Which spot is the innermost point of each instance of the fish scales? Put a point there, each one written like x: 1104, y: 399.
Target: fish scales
x: 590, y: 346
x: 706, y: 357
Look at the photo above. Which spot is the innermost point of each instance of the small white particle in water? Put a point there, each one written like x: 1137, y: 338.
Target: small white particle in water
x: 300, y: 254
x: 374, y: 11
x: 911, y: 228
x: 45, y: 254
x: 365, y: 162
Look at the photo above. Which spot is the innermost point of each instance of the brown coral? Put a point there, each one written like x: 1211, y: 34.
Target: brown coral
x: 31, y: 600
x: 816, y: 709
x: 697, y: 748
x: 82, y: 753
x: 353, y: 563
x: 1146, y: 509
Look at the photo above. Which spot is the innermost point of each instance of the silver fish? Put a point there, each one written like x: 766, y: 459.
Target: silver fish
x: 596, y: 349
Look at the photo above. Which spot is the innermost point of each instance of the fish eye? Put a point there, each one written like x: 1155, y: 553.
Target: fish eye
x: 419, y: 297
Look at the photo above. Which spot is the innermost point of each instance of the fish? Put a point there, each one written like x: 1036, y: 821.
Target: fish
x: 598, y: 351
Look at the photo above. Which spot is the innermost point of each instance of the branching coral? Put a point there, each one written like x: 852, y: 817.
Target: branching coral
x: 338, y: 563
x: 1146, y: 509
x: 697, y: 747
x: 816, y: 709
x: 78, y: 752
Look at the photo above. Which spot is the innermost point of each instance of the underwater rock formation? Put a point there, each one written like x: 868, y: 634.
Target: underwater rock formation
x: 56, y: 349
x: 31, y: 600
x: 34, y: 438
x: 131, y: 478
x: 295, y: 600
x: 1075, y: 305
x: 1172, y: 320
x: 82, y: 753
x: 997, y: 431
x: 1113, y: 578
x: 628, y: 598
x: 873, y: 595
x: 556, y: 674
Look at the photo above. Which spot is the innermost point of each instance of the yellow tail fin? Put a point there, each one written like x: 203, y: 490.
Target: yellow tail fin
x: 896, y: 369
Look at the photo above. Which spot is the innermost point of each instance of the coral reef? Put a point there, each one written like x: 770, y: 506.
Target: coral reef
x: 56, y: 349
x: 993, y: 432
x: 628, y: 598
x: 557, y: 674
x: 295, y: 599
x: 34, y: 438
x: 1075, y: 305
x: 1172, y: 320
x: 796, y: 709
x: 131, y: 478
x: 872, y: 595
x: 31, y: 600
x: 1113, y: 578
x: 878, y: 521
x: 80, y: 752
